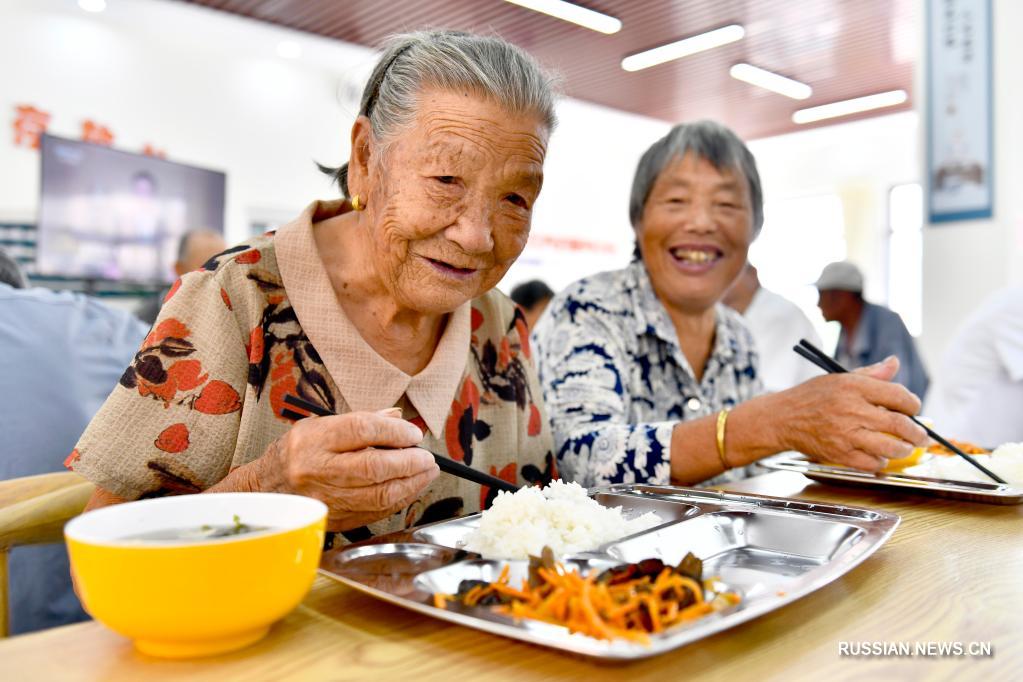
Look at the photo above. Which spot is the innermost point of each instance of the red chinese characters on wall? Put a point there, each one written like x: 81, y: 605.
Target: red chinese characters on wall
x: 29, y: 124
x: 97, y: 134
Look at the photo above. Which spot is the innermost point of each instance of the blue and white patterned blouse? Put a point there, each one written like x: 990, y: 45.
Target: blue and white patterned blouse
x: 616, y: 382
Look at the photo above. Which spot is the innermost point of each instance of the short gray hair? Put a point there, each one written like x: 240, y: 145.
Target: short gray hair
x: 11, y: 273
x: 708, y: 140
x: 450, y: 60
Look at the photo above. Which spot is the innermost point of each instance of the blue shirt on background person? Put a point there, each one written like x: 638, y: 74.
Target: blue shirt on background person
x: 61, y: 354
x: 870, y: 332
x: 881, y: 333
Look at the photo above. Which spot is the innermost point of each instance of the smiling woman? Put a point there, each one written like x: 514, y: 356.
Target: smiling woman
x: 379, y: 307
x: 649, y: 378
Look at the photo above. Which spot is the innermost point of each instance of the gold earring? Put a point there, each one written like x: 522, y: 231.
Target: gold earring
x: 356, y: 204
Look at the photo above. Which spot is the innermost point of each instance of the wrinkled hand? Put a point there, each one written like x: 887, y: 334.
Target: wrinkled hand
x: 362, y: 465
x: 857, y: 419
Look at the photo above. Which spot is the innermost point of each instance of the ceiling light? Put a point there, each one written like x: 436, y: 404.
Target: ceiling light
x: 850, y: 106
x: 289, y: 50
x: 573, y: 13
x: 768, y: 80
x: 684, y: 47
x: 93, y: 5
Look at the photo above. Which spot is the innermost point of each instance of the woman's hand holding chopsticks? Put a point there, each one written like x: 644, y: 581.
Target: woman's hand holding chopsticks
x: 818, y: 357
x: 859, y: 419
x: 364, y: 466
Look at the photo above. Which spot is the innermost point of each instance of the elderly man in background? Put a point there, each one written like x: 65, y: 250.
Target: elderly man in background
x: 977, y: 394
x: 777, y: 324
x: 195, y: 248
x: 62, y: 354
x: 870, y: 332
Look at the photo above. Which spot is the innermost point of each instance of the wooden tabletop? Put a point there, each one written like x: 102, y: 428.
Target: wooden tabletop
x: 952, y: 572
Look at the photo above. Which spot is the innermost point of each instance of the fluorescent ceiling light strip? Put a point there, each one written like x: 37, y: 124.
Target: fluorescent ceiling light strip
x: 684, y: 47
x: 768, y: 80
x: 573, y: 13
x: 850, y: 106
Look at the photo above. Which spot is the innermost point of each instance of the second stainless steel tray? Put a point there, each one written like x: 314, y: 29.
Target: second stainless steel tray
x: 989, y: 493
x: 772, y: 551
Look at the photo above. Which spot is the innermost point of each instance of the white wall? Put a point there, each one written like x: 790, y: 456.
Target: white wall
x: 204, y: 86
x: 209, y: 88
x: 966, y: 261
x: 859, y: 162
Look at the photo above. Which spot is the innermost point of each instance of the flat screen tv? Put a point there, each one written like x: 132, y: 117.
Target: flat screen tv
x: 114, y: 215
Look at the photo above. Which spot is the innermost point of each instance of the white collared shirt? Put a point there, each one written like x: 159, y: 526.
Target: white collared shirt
x: 977, y: 393
x: 777, y: 324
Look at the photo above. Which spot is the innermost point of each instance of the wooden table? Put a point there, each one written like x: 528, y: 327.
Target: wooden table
x: 953, y: 571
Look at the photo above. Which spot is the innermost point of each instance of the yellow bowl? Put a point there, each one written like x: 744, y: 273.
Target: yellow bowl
x: 186, y: 598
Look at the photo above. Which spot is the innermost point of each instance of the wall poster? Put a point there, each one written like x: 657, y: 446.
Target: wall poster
x: 960, y: 144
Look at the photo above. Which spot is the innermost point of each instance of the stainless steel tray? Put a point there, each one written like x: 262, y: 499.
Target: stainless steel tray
x: 772, y: 551
x: 989, y: 493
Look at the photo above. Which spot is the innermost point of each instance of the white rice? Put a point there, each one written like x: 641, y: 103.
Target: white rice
x: 1006, y: 461
x: 560, y: 516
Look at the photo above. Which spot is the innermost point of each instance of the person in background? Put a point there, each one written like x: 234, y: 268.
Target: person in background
x: 61, y: 354
x: 977, y: 393
x: 195, y: 248
x: 649, y: 378
x: 533, y: 297
x: 870, y: 332
x: 10, y: 273
x: 777, y: 324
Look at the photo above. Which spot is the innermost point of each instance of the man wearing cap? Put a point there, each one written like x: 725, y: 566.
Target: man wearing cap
x: 870, y: 332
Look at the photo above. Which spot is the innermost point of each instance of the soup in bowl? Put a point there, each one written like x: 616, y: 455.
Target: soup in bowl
x: 196, y: 575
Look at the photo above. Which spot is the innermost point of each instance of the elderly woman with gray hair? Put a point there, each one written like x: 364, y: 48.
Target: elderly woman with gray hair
x: 379, y: 308
x: 648, y: 378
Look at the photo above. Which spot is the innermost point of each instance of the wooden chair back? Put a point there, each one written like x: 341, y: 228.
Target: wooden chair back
x: 33, y: 510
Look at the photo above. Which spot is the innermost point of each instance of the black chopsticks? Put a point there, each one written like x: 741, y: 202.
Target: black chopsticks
x: 446, y: 464
x: 818, y: 357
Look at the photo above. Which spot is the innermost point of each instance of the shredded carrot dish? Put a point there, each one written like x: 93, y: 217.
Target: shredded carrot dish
x: 968, y: 448
x: 628, y: 602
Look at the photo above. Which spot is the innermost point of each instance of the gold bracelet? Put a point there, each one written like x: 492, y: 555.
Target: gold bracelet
x: 722, y: 421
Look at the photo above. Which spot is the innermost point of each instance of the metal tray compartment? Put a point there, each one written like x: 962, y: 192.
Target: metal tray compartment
x: 749, y: 551
x: 771, y: 551
x: 988, y: 493
x: 447, y: 579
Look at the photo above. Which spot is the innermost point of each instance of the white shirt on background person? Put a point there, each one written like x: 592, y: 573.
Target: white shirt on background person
x: 777, y: 324
x: 977, y: 394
